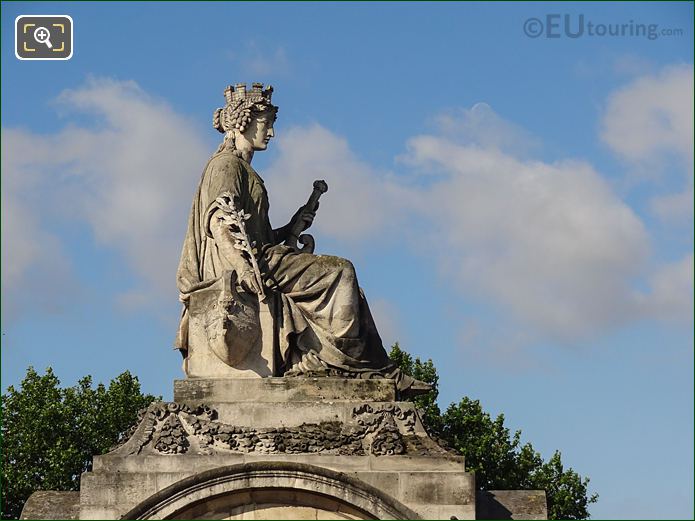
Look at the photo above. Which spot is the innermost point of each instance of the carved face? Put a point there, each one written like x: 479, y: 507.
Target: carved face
x: 260, y: 130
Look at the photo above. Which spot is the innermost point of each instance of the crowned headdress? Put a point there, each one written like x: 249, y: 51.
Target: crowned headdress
x: 240, y: 104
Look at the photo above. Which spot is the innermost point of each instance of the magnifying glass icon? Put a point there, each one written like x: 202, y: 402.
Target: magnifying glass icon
x: 43, y: 35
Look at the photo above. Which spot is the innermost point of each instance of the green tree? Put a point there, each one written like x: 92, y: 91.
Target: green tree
x: 497, y: 457
x: 50, y: 433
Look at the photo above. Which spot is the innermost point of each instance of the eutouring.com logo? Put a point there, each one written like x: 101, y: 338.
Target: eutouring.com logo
x: 577, y: 26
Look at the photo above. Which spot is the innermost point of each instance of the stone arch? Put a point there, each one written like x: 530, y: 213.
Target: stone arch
x: 268, y: 488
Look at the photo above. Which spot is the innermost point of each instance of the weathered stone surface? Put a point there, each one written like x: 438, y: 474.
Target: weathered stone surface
x: 283, y: 483
x: 230, y: 334
x: 277, y: 511
x: 438, y: 488
x: 191, y: 463
x: 291, y: 427
x: 511, y: 504
x: 166, y: 451
x: 251, y: 307
x: 175, y: 442
x: 49, y: 504
x: 371, y: 428
x: 119, y: 483
x: 133, y: 489
x: 283, y: 390
x: 297, y: 413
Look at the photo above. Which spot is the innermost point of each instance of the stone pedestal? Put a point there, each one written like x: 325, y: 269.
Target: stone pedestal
x: 265, y: 448
x: 284, y: 448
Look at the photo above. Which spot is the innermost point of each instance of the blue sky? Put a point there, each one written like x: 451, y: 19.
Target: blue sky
x: 518, y: 209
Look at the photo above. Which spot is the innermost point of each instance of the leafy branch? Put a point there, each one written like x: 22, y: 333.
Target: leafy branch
x: 235, y: 219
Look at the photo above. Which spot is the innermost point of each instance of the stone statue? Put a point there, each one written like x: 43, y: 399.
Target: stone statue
x: 254, y: 303
x: 314, y: 438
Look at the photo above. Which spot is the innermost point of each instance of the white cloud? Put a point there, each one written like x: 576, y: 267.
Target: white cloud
x: 674, y: 208
x: 648, y: 123
x: 616, y: 65
x: 24, y: 243
x: 651, y: 116
x: 671, y: 295
x: 360, y: 201
x: 130, y: 177
x: 36, y: 273
x: 549, y: 242
x: 482, y: 126
x: 627, y: 64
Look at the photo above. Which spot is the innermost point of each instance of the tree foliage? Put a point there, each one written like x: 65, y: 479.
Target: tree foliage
x: 50, y: 433
x: 498, y: 458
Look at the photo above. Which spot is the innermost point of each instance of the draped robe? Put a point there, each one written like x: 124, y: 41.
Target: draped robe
x: 324, y: 320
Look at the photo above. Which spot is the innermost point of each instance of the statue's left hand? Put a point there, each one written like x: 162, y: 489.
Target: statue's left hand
x: 304, y: 216
x: 301, y: 220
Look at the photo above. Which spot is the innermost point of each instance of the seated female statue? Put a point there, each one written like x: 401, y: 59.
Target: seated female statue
x: 322, y: 319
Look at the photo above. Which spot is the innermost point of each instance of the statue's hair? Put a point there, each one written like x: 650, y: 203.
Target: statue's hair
x: 239, y: 110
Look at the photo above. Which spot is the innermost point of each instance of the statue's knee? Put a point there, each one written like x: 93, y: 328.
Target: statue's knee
x: 339, y: 265
x: 347, y: 270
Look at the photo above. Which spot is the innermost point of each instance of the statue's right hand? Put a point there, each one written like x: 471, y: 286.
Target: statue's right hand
x: 246, y: 278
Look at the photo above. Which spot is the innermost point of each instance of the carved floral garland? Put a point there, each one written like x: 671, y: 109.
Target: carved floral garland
x: 174, y: 428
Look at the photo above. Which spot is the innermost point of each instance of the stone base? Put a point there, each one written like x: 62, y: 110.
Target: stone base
x: 511, y: 504
x: 282, y: 390
x: 51, y: 504
x: 117, y: 485
x: 284, y: 448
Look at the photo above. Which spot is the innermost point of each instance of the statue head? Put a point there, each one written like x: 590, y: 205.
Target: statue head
x: 247, y: 116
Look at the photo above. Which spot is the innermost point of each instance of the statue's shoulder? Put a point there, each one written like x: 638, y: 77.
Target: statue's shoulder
x: 226, y: 161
